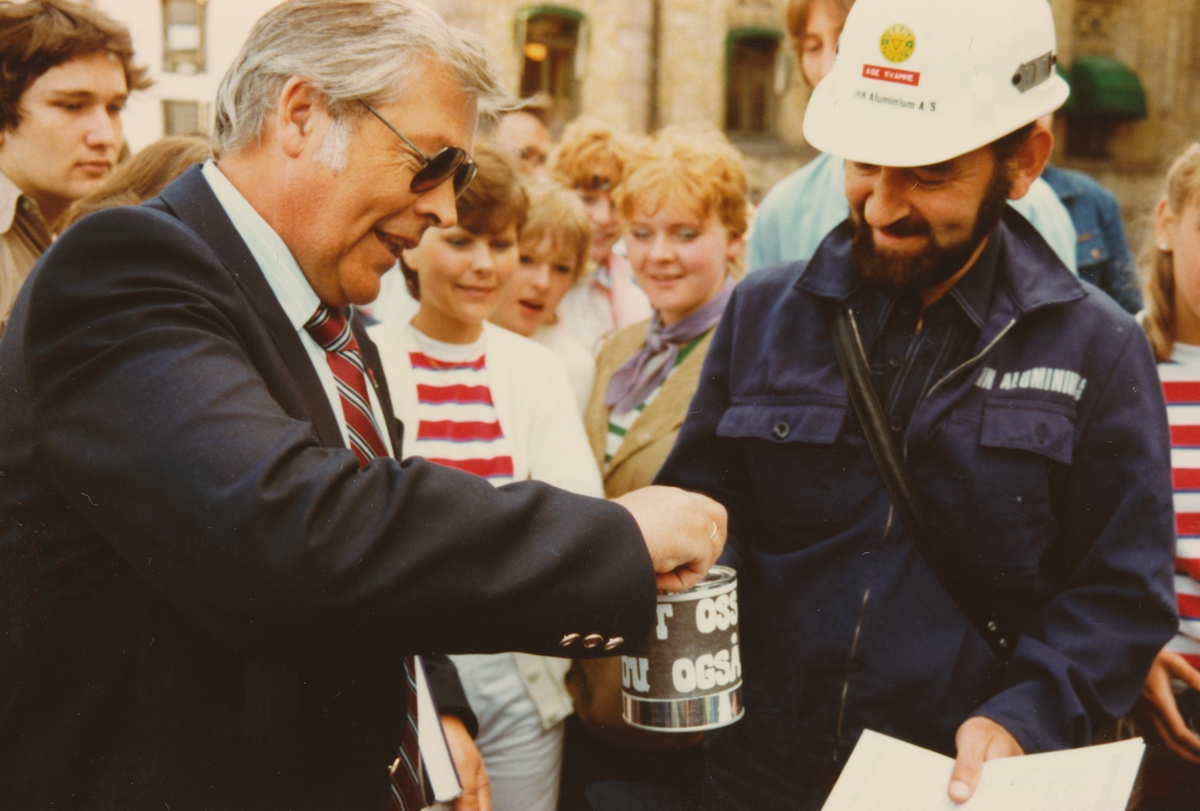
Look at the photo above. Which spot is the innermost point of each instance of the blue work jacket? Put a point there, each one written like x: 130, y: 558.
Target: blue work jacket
x: 1042, y: 462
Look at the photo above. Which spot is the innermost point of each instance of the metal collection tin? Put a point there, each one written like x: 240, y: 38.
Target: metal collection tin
x: 687, y: 674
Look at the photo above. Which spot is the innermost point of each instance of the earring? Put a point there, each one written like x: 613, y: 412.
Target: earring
x: 1164, y: 246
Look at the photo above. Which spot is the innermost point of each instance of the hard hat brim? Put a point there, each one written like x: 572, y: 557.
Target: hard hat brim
x: 869, y: 125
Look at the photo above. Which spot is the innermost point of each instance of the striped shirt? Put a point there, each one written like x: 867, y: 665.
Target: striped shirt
x: 457, y: 424
x: 1181, y: 384
x: 620, y: 423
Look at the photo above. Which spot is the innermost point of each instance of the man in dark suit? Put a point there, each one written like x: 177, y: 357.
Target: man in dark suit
x: 211, y: 569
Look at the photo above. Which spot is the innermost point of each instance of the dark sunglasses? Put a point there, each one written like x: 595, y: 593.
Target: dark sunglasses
x: 450, y: 161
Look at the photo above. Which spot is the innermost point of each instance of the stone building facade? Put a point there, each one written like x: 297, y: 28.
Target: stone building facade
x: 645, y: 64
x: 1159, y: 40
x: 649, y: 63
x: 187, y: 45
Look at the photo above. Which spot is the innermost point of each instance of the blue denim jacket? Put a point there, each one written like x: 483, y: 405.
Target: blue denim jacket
x: 1102, y: 252
x: 1042, y: 462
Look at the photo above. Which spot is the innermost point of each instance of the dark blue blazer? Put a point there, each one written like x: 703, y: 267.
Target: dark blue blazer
x: 203, y: 601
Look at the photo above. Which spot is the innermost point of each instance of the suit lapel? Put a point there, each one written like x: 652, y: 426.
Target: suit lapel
x: 665, y: 414
x: 193, y: 201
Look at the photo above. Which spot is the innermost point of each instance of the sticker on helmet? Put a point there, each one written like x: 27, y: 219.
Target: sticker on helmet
x: 891, y: 75
x: 897, y: 43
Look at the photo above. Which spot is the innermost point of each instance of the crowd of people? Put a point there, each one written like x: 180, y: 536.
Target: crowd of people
x: 364, y: 389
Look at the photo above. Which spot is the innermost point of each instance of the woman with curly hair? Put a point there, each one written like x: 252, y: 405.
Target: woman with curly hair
x: 684, y: 199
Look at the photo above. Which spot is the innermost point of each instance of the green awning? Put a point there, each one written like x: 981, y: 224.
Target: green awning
x: 1102, y: 86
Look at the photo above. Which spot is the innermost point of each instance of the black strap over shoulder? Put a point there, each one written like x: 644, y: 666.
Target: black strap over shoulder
x: 852, y: 361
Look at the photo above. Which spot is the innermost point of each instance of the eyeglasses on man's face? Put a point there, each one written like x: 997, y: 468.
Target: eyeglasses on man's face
x: 449, y: 162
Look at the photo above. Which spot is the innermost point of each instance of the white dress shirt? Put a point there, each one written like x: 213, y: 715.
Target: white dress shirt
x: 290, y: 286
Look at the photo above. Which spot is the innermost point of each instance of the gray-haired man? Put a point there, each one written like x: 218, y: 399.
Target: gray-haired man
x: 210, y: 568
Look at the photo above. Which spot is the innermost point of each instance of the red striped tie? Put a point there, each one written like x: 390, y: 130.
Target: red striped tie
x: 332, y: 333
x: 408, y: 789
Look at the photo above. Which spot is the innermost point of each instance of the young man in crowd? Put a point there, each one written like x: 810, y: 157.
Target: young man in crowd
x: 806, y: 205
x: 1017, y: 599
x: 68, y: 69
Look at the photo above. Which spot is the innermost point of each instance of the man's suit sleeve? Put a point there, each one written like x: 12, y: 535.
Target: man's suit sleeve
x: 161, y: 422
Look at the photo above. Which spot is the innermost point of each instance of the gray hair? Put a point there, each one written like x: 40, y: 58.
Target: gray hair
x: 350, y: 49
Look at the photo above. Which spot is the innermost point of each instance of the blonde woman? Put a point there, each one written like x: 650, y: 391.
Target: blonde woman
x: 593, y: 160
x: 554, y: 252
x: 684, y: 200
x: 1171, y: 696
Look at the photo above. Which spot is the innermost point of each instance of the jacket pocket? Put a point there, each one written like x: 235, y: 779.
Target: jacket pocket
x: 1042, y: 428
x: 989, y: 487
x: 1091, y: 248
x: 805, y: 481
x: 817, y: 423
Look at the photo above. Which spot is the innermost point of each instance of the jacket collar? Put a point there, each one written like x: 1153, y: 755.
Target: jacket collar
x: 193, y: 202
x: 13, y: 199
x: 1067, y: 185
x: 1028, y: 276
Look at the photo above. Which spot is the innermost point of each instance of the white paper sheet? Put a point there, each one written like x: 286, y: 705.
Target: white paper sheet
x: 885, y: 773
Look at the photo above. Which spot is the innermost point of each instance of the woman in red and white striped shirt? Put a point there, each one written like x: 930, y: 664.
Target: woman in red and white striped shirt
x: 1172, y: 323
x: 479, y: 398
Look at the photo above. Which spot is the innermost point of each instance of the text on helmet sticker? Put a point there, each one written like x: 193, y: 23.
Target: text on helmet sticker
x: 891, y: 75
x: 892, y: 101
x: 897, y: 43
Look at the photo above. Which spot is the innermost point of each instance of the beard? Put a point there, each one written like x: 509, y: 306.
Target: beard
x: 903, y: 273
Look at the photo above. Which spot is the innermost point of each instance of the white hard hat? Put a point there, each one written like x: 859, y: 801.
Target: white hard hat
x: 918, y: 82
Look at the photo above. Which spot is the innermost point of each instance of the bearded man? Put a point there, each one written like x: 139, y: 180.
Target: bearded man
x: 1022, y: 403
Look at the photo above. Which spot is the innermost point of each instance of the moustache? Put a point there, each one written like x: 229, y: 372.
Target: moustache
x: 909, y: 227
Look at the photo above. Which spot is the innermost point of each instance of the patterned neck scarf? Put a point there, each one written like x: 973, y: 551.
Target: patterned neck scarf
x: 650, y: 365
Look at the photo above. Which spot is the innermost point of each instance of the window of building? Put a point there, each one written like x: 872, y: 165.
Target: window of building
x: 1089, y: 137
x: 1105, y: 93
x: 552, y: 40
x: 184, y: 117
x: 183, y: 36
x: 752, y: 80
